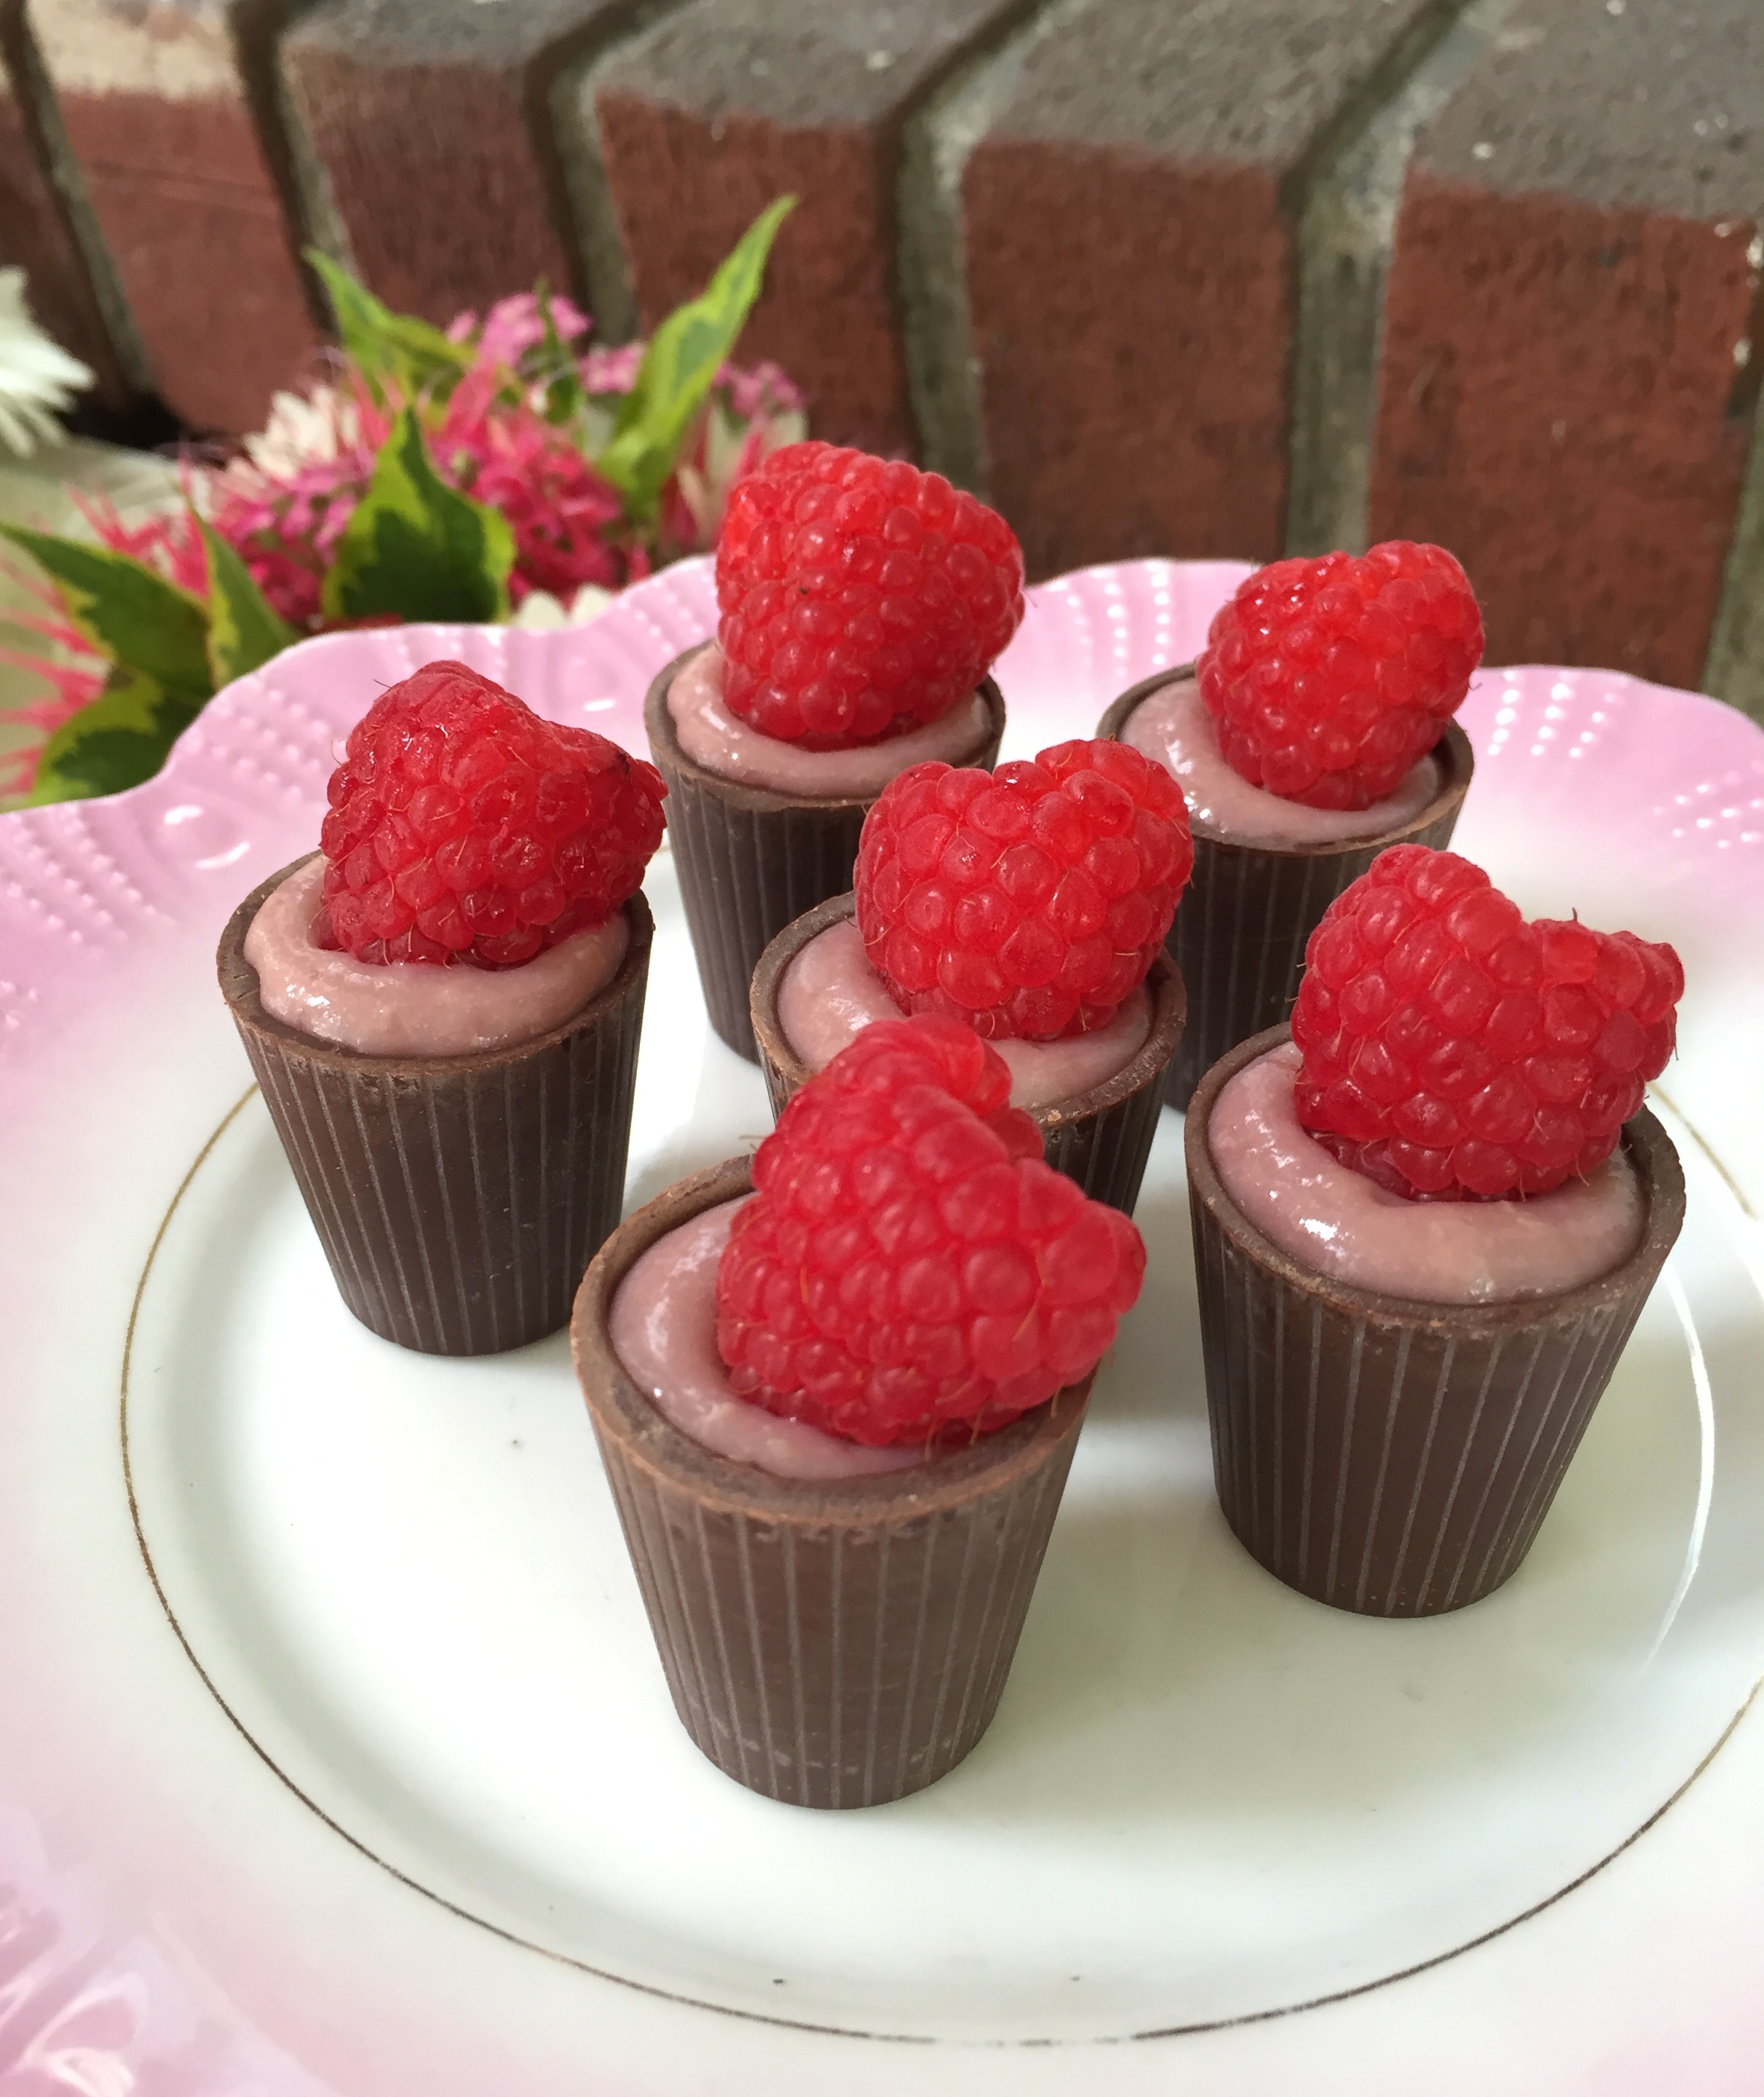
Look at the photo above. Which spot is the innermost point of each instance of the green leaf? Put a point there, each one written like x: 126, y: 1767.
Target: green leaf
x: 414, y: 357
x: 682, y: 359
x: 121, y: 738
x: 416, y: 548
x: 244, y: 629
x: 127, y: 610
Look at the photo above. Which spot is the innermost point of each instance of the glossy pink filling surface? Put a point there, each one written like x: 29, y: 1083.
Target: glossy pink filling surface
x: 415, y: 1008
x: 713, y: 736
x: 1330, y: 1218
x: 830, y: 993
x: 663, y: 1326
x: 1174, y: 727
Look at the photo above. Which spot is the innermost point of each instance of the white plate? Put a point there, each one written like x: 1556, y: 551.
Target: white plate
x: 453, y: 1837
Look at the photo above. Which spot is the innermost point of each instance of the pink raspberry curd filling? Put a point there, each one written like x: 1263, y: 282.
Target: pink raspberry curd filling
x: 830, y: 993
x: 1173, y: 726
x: 1337, y: 1222
x: 663, y: 1329
x: 416, y: 1007
x: 713, y: 736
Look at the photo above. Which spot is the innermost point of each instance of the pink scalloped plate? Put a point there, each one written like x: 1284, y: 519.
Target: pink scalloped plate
x: 334, y: 1754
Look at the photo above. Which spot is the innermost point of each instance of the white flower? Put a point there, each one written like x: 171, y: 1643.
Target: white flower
x: 38, y: 379
x: 542, y: 613
x: 309, y: 429
x: 730, y: 447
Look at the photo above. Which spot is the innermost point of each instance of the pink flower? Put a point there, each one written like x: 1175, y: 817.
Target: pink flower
x: 559, y: 508
x: 751, y: 395
x: 286, y: 501
x: 502, y: 453
x: 168, y: 541
x: 514, y: 326
x: 76, y: 673
x: 72, y: 685
x: 283, y: 503
x: 606, y: 371
x: 760, y: 394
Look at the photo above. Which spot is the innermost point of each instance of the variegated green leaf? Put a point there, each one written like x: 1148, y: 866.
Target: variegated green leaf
x: 416, y: 548
x: 127, y: 610
x: 244, y: 629
x: 391, y: 348
x: 121, y: 738
x: 683, y: 358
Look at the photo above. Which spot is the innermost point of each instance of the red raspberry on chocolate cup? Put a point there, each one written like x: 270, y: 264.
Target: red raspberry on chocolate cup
x: 1326, y: 684
x: 1100, y: 1136
x: 1425, y: 1222
x: 1029, y: 904
x: 909, y: 1283
x: 442, y: 1010
x: 862, y: 603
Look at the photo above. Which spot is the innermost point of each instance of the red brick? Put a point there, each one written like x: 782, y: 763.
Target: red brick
x: 431, y: 122
x: 726, y: 104
x: 159, y: 117
x: 1130, y: 220
x: 37, y: 231
x: 1560, y: 400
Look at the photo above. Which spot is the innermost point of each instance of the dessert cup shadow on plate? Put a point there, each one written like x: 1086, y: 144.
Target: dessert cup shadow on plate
x: 1101, y: 1137
x: 458, y: 1199
x: 1239, y: 930
x: 833, y: 1643
x: 1388, y: 1456
x: 751, y: 860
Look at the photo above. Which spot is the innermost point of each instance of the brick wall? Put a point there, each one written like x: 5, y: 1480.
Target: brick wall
x: 1188, y: 276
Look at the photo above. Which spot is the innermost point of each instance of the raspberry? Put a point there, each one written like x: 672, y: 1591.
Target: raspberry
x: 464, y: 828
x: 1452, y: 1051
x: 908, y: 1266
x: 1328, y: 681
x: 1028, y: 901
x: 860, y: 598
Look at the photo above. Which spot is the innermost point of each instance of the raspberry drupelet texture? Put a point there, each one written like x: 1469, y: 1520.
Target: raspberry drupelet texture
x: 463, y: 827
x: 909, y: 1267
x: 860, y: 598
x: 1452, y: 1051
x: 1025, y: 902
x: 1330, y: 680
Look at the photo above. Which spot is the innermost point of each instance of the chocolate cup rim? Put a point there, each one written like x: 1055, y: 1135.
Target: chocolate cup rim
x: 240, y: 986
x: 664, y: 746
x: 950, y: 1481
x: 1453, y: 748
x: 1651, y: 1150
x: 1170, y: 1008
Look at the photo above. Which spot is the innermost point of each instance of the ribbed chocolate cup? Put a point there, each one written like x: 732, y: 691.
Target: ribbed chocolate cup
x: 458, y: 1199
x: 833, y: 1643
x: 1388, y: 1456
x: 1239, y: 930
x: 1101, y: 1137
x: 749, y: 861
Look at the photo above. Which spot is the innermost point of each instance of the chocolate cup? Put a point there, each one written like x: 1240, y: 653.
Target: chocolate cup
x: 829, y: 1643
x: 1239, y: 930
x: 458, y: 1199
x: 1388, y: 1456
x: 1101, y: 1137
x: 749, y: 861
